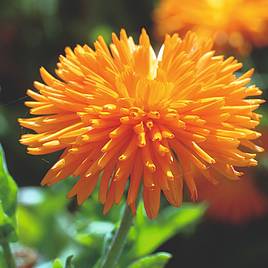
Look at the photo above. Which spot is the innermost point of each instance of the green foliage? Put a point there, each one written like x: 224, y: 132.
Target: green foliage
x: 68, y: 264
x: 8, y: 187
x: 264, y: 112
x: 158, y: 260
x: 55, y: 227
x: 103, y: 30
x: 57, y: 264
x: 44, y: 223
x: 8, y: 201
x: 6, y: 224
x: 169, y: 222
x: 2, y: 260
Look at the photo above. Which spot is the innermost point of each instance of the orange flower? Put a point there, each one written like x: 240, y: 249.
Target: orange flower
x: 233, y: 202
x: 236, y: 24
x: 122, y: 114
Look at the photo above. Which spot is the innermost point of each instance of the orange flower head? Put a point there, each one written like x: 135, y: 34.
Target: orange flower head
x: 235, y: 24
x: 124, y: 116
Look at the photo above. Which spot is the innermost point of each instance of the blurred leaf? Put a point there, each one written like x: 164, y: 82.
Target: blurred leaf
x: 6, y: 224
x: 8, y: 201
x: 3, y: 122
x: 94, y: 233
x: 57, y: 264
x: 2, y: 259
x: 42, y: 216
x: 151, y: 234
x: 69, y: 262
x: 8, y: 188
x: 264, y: 112
x: 29, y: 227
x: 158, y: 260
x: 108, y: 240
x: 103, y: 30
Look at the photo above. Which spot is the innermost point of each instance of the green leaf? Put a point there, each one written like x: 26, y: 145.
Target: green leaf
x: 6, y: 224
x: 57, y: 264
x: 69, y: 262
x: 8, y: 201
x: 8, y: 187
x: 158, y: 260
x: 94, y: 233
x: 2, y: 259
x: 151, y: 234
x: 39, y: 208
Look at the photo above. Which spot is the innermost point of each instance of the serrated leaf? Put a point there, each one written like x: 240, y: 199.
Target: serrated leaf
x: 158, y: 260
x: 151, y: 234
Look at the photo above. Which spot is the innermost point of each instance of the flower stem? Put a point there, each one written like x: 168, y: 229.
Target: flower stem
x: 10, y: 262
x: 116, y: 247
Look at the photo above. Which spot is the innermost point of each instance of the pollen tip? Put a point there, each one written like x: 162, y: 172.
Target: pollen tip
x: 170, y: 174
x: 112, y: 135
x: 143, y: 30
x: 142, y: 144
x: 122, y: 157
x: 44, y: 183
x: 88, y: 174
x: 258, y: 135
x: 151, y: 167
x: 80, y: 201
x: 212, y: 161
x: 253, y: 162
x: 59, y: 164
x: 85, y: 138
x: 157, y: 138
x: 194, y: 196
x: 73, y: 150
x: 259, y: 149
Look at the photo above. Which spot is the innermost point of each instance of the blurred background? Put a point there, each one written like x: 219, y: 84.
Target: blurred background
x: 33, y: 33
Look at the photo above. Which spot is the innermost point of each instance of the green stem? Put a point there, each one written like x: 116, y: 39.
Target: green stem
x: 116, y: 247
x: 10, y: 262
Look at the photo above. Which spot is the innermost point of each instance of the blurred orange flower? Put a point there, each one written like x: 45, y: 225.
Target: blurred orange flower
x: 122, y: 114
x: 234, y: 202
x: 236, y: 24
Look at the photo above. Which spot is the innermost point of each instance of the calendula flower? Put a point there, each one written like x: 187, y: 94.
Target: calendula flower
x: 129, y: 118
x: 237, y: 24
x: 233, y: 202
